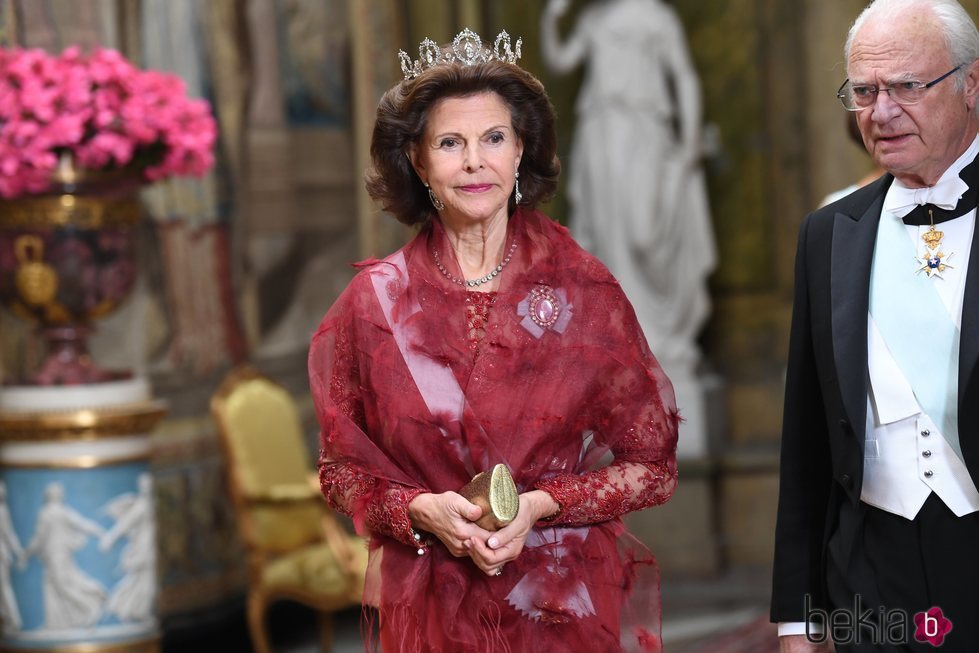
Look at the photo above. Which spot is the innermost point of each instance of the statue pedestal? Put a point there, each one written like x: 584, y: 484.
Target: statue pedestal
x: 78, y: 555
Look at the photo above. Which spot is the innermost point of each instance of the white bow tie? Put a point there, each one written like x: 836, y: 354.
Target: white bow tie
x: 945, y: 195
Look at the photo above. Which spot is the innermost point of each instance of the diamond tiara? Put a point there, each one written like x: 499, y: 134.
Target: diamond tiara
x: 467, y: 50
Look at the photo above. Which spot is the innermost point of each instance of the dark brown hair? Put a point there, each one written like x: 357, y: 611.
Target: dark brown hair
x: 403, y: 113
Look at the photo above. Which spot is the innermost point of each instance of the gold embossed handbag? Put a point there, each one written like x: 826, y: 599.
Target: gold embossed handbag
x: 495, y: 492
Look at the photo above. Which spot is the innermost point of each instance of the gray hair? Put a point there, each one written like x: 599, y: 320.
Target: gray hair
x: 961, y: 36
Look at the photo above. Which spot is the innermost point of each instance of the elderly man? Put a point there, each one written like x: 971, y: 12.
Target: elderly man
x: 877, y: 543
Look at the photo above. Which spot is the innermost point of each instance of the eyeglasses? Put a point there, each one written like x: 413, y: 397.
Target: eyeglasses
x: 858, y: 98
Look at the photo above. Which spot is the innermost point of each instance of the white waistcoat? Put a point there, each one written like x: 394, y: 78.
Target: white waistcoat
x: 906, y: 456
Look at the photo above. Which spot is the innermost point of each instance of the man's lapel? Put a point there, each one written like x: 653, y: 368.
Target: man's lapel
x: 969, y: 331
x: 969, y: 340
x: 850, y: 262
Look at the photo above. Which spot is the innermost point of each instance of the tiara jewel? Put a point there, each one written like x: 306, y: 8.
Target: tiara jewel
x: 467, y: 50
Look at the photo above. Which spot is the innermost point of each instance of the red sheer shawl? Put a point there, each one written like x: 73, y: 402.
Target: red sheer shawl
x: 564, y: 391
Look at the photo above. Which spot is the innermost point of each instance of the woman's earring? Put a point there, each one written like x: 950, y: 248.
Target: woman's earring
x: 516, y: 186
x: 436, y: 202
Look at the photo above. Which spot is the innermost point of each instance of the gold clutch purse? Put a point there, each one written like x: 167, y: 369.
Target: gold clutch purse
x: 495, y: 492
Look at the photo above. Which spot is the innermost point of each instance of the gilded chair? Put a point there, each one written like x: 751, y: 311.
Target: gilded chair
x: 297, y: 549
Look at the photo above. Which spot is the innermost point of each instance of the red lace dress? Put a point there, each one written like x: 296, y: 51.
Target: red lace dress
x: 419, y: 385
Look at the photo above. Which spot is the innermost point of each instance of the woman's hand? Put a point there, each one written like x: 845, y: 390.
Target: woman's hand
x: 448, y: 516
x: 493, y: 552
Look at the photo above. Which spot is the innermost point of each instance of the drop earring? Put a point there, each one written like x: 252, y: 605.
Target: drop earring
x: 436, y: 202
x: 516, y: 186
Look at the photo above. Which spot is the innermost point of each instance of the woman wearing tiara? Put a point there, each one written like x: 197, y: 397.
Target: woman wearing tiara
x: 490, y: 338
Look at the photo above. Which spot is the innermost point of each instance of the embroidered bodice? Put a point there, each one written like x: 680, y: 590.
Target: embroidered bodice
x: 478, y: 305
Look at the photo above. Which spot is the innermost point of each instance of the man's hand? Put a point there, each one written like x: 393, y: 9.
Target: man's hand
x: 801, y: 644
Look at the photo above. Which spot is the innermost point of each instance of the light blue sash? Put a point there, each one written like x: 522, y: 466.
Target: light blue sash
x: 916, y: 326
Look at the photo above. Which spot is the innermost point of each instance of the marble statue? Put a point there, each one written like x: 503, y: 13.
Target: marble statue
x: 10, y: 551
x: 638, y: 196
x: 132, y: 599
x: 72, y: 599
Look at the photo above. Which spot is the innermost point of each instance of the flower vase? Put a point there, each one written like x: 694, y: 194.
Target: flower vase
x: 67, y: 258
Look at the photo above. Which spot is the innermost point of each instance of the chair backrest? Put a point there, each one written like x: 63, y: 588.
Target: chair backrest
x: 269, y: 467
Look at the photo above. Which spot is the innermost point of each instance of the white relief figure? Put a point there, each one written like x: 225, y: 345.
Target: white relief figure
x: 637, y: 191
x: 10, y: 551
x: 72, y: 599
x: 132, y: 599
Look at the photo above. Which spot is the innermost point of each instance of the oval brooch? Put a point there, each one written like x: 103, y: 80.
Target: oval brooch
x: 543, y: 309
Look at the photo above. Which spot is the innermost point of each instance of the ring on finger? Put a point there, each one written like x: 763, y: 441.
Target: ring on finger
x: 499, y: 571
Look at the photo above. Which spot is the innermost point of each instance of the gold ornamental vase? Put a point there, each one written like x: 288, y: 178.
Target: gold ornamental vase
x: 67, y: 258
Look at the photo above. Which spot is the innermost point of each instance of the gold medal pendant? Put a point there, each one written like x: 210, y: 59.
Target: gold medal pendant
x: 934, y: 261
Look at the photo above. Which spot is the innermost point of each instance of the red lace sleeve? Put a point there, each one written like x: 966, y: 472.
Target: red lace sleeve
x: 383, y: 505
x: 609, y: 492
x: 623, y: 486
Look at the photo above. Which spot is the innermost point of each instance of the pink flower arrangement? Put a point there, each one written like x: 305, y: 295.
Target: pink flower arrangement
x: 100, y: 109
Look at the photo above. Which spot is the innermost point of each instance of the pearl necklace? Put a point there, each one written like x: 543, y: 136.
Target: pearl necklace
x: 472, y: 283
